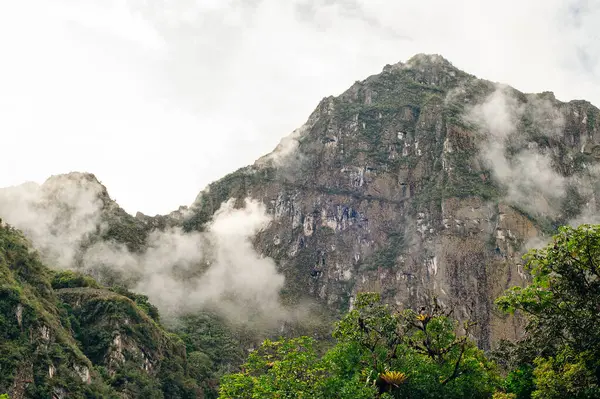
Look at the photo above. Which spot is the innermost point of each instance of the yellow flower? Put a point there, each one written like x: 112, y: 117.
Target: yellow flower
x: 393, y: 377
x: 423, y: 317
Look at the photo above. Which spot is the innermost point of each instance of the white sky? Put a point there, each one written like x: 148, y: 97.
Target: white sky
x: 160, y: 97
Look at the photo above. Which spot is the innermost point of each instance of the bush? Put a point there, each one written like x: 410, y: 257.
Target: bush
x: 71, y: 279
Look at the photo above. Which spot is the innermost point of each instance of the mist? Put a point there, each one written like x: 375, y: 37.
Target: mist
x: 57, y: 216
x: 527, y: 172
x: 179, y: 272
x: 528, y: 176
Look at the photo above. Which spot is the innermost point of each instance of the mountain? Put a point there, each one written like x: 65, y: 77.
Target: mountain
x: 421, y: 181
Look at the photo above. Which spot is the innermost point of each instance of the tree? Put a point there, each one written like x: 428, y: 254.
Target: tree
x: 562, y: 305
x: 277, y: 369
x: 379, y: 353
x: 423, y: 347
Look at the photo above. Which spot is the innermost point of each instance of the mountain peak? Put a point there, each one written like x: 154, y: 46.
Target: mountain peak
x: 422, y: 62
x: 434, y: 59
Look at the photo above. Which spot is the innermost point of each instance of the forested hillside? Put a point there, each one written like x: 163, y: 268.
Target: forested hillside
x: 65, y: 336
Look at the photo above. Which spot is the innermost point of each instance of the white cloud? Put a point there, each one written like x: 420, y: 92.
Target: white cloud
x: 158, y: 98
x: 529, y: 178
x: 220, y: 268
x: 180, y: 272
x: 57, y: 216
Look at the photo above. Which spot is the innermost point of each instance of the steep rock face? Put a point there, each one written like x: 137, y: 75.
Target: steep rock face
x: 387, y: 188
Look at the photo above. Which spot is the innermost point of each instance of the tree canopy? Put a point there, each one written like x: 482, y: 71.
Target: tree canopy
x: 382, y: 352
x: 562, y: 306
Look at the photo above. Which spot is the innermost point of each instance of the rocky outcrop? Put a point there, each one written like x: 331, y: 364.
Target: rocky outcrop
x: 115, y: 332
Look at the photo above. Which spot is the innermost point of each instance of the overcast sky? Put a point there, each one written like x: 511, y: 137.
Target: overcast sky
x: 160, y: 97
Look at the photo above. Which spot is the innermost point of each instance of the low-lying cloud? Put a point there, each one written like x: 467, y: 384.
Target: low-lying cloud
x: 56, y: 216
x: 180, y: 272
x: 528, y: 176
x: 510, y: 122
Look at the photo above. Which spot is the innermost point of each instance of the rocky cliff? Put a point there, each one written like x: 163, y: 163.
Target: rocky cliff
x: 420, y: 181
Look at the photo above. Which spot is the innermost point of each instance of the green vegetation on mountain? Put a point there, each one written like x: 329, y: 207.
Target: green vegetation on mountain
x: 62, y: 335
x: 562, y: 346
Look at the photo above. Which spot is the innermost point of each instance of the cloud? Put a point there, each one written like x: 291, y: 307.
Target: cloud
x: 57, y: 216
x: 286, y: 149
x: 509, y: 124
x: 239, y: 277
x: 322, y: 12
x: 180, y: 272
x: 528, y: 175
